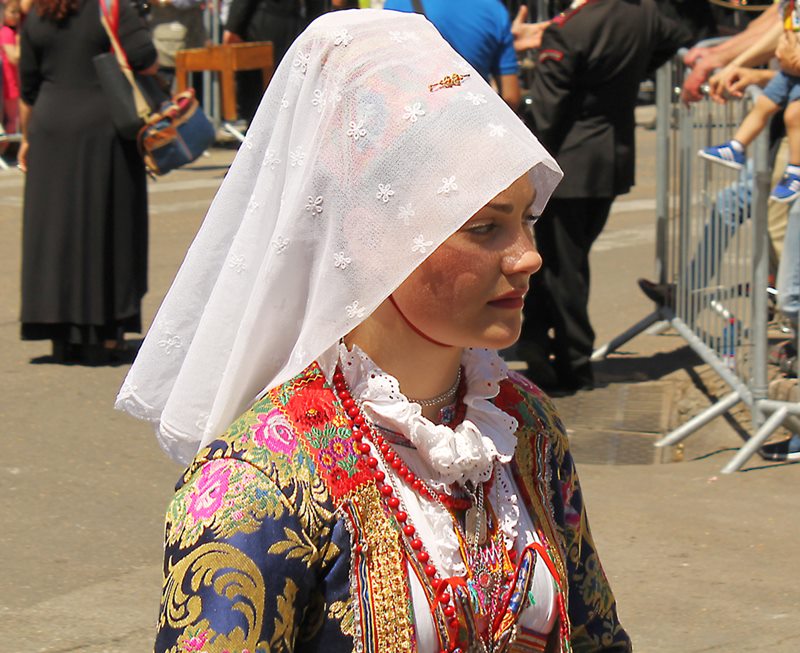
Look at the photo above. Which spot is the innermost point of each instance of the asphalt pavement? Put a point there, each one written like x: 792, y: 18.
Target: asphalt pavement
x: 699, y: 561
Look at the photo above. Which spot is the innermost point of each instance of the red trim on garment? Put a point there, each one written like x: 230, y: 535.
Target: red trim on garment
x: 564, y: 16
x: 550, y: 55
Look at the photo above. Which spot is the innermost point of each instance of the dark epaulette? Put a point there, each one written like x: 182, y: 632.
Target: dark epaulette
x: 564, y: 16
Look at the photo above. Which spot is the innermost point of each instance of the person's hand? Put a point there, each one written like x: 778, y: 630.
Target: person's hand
x: 527, y: 36
x: 229, y: 37
x: 22, y: 156
x: 720, y: 83
x: 694, y: 55
x: 691, y: 86
x: 702, y: 70
x: 741, y: 78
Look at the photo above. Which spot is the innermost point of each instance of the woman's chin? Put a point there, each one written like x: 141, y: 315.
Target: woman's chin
x: 500, y: 336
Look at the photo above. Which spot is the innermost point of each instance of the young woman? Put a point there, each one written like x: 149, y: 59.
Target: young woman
x: 370, y: 476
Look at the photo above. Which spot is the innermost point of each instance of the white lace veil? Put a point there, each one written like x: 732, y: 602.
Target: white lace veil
x: 360, y: 161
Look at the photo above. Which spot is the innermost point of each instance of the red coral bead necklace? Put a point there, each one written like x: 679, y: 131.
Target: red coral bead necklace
x: 362, y: 431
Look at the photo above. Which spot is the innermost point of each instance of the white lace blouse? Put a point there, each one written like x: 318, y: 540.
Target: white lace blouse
x: 484, y: 442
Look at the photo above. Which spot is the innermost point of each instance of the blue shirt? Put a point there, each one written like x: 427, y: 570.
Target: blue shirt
x: 479, y: 30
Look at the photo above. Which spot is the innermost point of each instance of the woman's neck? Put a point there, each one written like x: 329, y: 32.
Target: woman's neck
x: 424, y: 369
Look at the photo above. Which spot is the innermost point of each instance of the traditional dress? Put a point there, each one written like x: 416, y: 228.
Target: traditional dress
x: 84, y: 234
x: 280, y: 539
x: 331, y: 515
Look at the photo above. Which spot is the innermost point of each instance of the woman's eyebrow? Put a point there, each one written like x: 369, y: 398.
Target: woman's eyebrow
x: 505, y: 207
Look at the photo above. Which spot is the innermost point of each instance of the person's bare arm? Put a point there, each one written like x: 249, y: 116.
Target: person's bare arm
x: 741, y: 78
x: 736, y: 44
x: 762, y: 50
x: 704, y: 61
x: 757, y: 54
x: 510, y: 90
x: 11, y: 52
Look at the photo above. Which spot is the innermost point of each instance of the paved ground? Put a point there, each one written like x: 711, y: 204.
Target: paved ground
x: 700, y: 562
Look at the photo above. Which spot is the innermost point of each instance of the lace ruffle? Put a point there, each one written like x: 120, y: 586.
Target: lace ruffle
x: 467, y: 452
x: 444, y: 455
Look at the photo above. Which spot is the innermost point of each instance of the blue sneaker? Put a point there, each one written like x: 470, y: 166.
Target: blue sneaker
x: 724, y: 154
x: 787, y: 189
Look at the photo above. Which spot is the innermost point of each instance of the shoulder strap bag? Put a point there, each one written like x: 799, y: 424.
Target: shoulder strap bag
x: 128, y: 104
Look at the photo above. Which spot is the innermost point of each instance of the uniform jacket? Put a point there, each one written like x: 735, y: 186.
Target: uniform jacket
x: 276, y: 540
x: 584, y: 90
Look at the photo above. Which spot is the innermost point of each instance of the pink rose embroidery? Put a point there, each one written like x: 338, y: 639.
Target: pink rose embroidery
x: 210, y: 492
x: 195, y: 643
x: 274, y: 432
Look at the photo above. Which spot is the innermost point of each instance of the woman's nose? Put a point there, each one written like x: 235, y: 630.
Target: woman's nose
x: 522, y: 257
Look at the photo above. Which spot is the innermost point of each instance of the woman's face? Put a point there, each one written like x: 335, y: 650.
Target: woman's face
x: 470, y: 291
x: 11, y: 14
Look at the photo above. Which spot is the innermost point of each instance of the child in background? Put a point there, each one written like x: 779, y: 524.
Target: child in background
x: 783, y: 90
x: 9, y: 43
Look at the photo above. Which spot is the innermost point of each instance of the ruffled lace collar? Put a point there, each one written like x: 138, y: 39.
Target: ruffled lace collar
x: 443, y: 455
x: 467, y: 452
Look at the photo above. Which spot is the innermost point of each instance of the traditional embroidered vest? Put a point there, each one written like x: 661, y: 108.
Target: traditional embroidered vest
x: 379, y: 580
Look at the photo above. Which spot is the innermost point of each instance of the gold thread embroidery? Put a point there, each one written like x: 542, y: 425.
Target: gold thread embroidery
x: 448, y: 81
x: 231, y: 574
x: 384, y: 557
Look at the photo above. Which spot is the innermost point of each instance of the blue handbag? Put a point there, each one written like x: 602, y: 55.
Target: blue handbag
x: 175, y: 135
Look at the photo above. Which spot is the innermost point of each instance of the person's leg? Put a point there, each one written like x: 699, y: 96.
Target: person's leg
x: 777, y: 212
x: 788, y: 187
x: 579, y: 223
x: 791, y: 118
x: 732, y: 153
x: 11, y: 115
x: 535, y: 344
x: 755, y: 121
x: 788, y: 282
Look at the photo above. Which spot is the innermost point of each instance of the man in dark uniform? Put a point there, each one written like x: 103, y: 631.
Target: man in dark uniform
x: 583, y: 94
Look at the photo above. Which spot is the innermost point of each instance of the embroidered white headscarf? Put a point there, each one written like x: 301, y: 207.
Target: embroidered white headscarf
x: 361, y: 160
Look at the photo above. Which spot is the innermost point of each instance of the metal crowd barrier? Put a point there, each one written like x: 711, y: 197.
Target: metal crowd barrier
x: 712, y: 255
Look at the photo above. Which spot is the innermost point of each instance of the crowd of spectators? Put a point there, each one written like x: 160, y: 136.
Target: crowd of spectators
x: 492, y: 36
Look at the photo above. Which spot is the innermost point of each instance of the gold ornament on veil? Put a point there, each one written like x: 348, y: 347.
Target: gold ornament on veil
x: 448, y: 81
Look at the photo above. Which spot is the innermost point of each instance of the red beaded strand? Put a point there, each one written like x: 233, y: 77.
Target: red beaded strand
x: 361, y: 430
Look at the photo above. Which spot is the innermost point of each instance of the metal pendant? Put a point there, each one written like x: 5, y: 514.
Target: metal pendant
x: 475, y: 522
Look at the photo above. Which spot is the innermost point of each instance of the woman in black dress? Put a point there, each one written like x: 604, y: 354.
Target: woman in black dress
x: 84, y: 264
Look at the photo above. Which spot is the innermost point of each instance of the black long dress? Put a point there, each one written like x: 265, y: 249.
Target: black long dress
x: 84, y: 241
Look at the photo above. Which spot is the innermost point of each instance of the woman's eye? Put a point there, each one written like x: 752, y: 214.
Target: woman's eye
x: 531, y: 220
x: 482, y: 229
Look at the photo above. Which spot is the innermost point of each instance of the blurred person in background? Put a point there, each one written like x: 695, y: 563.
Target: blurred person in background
x: 277, y: 21
x: 480, y: 31
x: 727, y: 70
x: 176, y: 25
x: 9, y: 44
x: 84, y: 235
x: 583, y: 93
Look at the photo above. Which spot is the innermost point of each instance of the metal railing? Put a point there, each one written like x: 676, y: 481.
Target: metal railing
x: 712, y: 258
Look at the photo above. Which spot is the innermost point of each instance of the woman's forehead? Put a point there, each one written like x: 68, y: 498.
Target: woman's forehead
x: 522, y: 191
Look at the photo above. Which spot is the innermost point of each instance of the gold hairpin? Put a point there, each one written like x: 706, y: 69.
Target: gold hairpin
x: 448, y: 81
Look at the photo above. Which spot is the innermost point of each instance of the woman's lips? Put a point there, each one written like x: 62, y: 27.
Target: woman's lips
x: 508, y: 302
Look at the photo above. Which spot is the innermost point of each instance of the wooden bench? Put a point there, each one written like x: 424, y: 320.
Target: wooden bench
x: 226, y: 61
